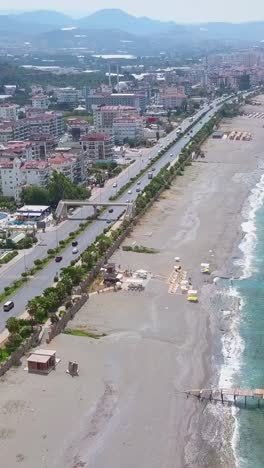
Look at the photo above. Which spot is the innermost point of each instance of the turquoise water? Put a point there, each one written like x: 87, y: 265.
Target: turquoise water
x: 250, y: 444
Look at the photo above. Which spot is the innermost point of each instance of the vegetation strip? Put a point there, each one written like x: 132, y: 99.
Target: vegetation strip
x: 87, y: 334
x: 139, y: 249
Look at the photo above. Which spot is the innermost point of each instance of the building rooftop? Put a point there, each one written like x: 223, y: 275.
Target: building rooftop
x: 35, y: 165
x: 33, y: 209
x: 95, y: 137
x: 117, y: 108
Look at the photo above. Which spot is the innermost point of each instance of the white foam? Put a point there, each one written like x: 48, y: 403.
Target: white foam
x: 232, y: 342
x: 232, y: 349
x: 247, y: 246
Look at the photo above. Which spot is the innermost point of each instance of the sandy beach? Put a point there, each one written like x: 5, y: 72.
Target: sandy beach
x: 126, y: 409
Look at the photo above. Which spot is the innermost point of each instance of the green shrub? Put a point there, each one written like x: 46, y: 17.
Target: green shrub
x: 25, y: 331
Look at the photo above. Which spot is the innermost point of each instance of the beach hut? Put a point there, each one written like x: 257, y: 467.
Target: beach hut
x: 42, y: 361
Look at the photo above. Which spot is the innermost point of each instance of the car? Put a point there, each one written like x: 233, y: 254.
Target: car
x: 74, y: 243
x: 108, y: 221
x: 139, y: 182
x: 129, y: 192
x: 111, y: 210
x: 185, y: 136
x: 127, y: 201
x: 153, y: 169
x: 171, y: 155
x: 8, y: 306
x: 115, y: 185
x: 75, y: 250
x: 149, y: 158
x: 58, y: 259
x: 138, y: 189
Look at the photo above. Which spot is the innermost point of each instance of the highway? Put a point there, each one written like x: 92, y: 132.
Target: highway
x: 44, y: 278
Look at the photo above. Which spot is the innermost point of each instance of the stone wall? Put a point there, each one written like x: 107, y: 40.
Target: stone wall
x: 57, y: 328
x: 15, y: 357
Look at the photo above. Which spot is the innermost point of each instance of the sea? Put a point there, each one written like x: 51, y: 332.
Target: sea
x: 243, y: 346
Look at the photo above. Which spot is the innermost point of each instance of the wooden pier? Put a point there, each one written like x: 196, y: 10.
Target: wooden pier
x: 228, y: 395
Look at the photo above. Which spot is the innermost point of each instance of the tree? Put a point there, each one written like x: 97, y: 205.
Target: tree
x: 13, y: 342
x: 33, y: 306
x: 35, y: 195
x: 60, y: 187
x: 244, y: 82
x: 12, y: 325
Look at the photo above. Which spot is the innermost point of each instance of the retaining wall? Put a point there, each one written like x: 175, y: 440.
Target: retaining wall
x: 57, y: 328
x: 15, y: 357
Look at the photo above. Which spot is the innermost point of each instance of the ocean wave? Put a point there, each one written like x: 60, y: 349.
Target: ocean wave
x: 247, y: 246
x: 232, y: 350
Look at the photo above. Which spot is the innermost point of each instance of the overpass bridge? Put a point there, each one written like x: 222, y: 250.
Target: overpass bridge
x: 64, y: 205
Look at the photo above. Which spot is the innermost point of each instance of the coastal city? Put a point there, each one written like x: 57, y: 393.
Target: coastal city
x: 131, y: 232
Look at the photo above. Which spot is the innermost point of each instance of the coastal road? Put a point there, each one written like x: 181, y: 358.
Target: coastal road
x: 44, y: 279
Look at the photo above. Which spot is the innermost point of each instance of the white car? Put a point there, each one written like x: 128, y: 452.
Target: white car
x: 129, y: 192
x: 171, y: 155
x: 75, y: 250
x: 115, y: 185
x: 139, y: 182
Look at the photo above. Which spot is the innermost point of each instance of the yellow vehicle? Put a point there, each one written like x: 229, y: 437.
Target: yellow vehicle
x: 192, y: 295
x: 205, y: 268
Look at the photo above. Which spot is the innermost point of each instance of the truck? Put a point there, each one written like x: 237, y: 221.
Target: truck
x: 150, y: 175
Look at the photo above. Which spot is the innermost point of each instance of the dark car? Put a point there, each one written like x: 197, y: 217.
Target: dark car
x: 58, y: 259
x: 111, y: 210
x: 74, y: 244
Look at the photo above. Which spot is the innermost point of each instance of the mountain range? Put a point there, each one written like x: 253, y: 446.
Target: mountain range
x: 41, y: 27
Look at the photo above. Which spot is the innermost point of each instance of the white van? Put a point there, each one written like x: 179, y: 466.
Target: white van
x: 8, y: 306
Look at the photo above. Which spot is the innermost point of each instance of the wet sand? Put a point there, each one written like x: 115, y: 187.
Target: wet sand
x: 125, y: 409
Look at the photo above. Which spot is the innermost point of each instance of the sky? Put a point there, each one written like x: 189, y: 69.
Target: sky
x: 179, y: 10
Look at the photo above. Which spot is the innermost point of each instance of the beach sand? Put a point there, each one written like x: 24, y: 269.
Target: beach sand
x: 126, y: 408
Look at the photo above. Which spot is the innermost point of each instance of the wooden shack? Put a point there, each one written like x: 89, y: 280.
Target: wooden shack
x: 42, y: 361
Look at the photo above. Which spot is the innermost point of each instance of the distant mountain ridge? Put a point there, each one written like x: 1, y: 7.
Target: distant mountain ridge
x: 34, y: 23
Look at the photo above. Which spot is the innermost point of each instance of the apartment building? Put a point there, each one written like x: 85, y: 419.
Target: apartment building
x: 36, y: 173
x: 172, y: 98
x: 128, y: 129
x: 48, y: 123
x: 138, y: 101
x: 8, y: 111
x: 104, y: 116
x: 77, y: 127
x: 71, y: 166
x: 66, y: 95
x: 40, y: 101
x: 98, y: 146
x: 6, y: 131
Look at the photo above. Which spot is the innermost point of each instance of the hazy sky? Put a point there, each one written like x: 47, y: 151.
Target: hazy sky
x: 179, y: 10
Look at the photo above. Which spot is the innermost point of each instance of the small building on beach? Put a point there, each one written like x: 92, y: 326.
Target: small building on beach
x: 42, y: 361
